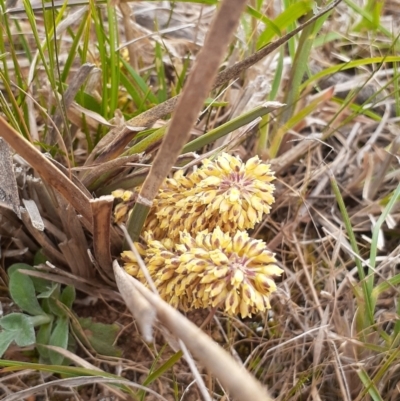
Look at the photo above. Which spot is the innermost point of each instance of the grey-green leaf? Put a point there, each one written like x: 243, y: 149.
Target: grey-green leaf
x: 21, y: 327
x: 6, y: 338
x: 39, y: 283
x: 59, y: 338
x: 23, y: 293
x: 43, y: 337
x: 68, y: 296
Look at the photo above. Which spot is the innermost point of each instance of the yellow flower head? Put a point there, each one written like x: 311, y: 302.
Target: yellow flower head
x: 226, y: 193
x: 211, y: 269
x: 122, y: 210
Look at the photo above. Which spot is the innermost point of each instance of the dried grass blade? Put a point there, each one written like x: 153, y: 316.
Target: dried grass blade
x: 12, y: 227
x: 8, y: 185
x: 231, y: 126
x: 78, y: 361
x: 80, y: 261
x: 71, y: 251
x: 46, y: 199
x: 47, y: 170
x: 139, y: 306
x: 89, y: 287
x: 100, y: 172
x: 68, y: 97
x: 110, y: 150
x: 34, y: 214
x: 79, y: 382
x: 49, y: 248
x: 102, y: 209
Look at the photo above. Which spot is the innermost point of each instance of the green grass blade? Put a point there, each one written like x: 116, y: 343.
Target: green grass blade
x: 369, y: 385
x: 367, y: 18
x: 386, y: 285
x: 289, y: 16
x: 278, y: 136
x: 345, y: 66
x: 72, y: 54
x: 146, y: 142
x: 228, y: 127
x: 114, y: 58
x: 366, y: 293
x: 375, y: 235
x: 162, y: 81
x: 146, y: 91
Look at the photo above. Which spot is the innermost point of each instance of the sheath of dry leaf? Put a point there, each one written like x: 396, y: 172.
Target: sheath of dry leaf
x: 217, y: 269
x: 226, y: 193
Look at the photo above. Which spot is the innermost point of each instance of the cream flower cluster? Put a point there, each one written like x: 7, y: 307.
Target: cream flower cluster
x: 224, y: 193
x: 211, y: 269
x: 197, y: 250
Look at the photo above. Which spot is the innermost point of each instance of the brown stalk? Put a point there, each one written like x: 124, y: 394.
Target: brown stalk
x: 49, y: 173
x: 189, y: 105
x: 126, y: 11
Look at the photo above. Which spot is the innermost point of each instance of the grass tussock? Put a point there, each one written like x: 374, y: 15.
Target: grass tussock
x: 99, y: 98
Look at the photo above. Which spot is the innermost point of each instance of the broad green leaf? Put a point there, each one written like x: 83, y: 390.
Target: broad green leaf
x: 101, y: 336
x: 39, y: 283
x: 22, y: 291
x: 68, y: 296
x: 39, y: 258
x: 6, y: 338
x: 43, y: 337
x: 20, y: 326
x: 49, y: 292
x: 59, y: 337
x: 56, y: 306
